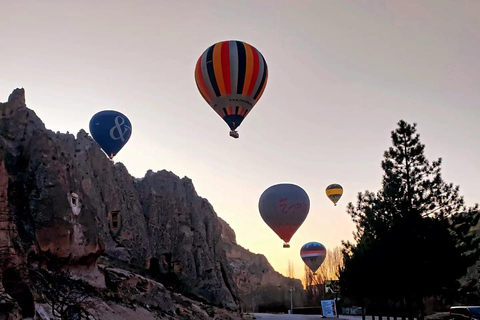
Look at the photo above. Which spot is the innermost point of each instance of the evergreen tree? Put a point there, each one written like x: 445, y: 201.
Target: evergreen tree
x: 413, y: 237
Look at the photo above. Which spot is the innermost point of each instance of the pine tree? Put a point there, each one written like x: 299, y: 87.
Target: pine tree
x: 413, y: 237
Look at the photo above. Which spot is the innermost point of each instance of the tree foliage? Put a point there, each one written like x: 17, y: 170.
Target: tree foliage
x: 329, y: 270
x: 313, y: 288
x: 413, y: 236
x: 290, y: 269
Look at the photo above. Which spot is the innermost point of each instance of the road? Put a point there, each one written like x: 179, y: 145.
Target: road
x: 266, y: 316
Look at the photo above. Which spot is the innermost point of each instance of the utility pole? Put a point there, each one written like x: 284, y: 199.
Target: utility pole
x: 253, y: 305
x: 254, y: 296
x: 336, y: 309
x: 291, y: 300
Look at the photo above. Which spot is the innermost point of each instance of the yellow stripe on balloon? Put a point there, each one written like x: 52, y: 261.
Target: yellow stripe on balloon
x: 334, y: 191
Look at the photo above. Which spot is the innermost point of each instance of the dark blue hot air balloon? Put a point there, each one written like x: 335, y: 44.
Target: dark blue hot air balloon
x: 111, y: 130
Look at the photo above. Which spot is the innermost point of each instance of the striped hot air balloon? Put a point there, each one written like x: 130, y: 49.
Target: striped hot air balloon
x: 313, y: 254
x: 334, y: 192
x: 231, y: 76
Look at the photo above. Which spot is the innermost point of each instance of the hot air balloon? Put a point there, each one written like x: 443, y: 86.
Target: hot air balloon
x: 334, y: 192
x: 284, y: 207
x: 111, y: 130
x: 231, y: 76
x: 313, y: 254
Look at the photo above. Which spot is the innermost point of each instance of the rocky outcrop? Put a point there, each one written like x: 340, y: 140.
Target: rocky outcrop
x: 64, y: 204
x: 259, y: 285
x: 131, y: 291
x: 191, y: 246
x: 228, y: 235
x: 9, y: 308
x: 126, y: 296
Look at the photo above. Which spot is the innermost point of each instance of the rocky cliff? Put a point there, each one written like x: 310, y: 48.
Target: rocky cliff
x: 65, y: 206
x: 259, y: 286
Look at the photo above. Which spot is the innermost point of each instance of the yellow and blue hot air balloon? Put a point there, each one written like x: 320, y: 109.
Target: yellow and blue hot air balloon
x: 231, y: 76
x: 334, y: 192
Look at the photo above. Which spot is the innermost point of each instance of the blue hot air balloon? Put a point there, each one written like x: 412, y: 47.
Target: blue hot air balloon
x: 111, y: 130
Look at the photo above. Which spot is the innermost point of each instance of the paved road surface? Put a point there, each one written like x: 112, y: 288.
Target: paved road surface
x: 266, y: 316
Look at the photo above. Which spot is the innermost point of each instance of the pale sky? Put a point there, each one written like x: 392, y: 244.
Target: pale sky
x: 341, y: 75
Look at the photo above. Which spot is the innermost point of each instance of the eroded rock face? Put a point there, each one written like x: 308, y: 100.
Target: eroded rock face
x: 130, y: 296
x: 9, y: 308
x: 228, y: 235
x: 71, y: 204
x: 258, y: 284
x: 145, y: 294
x: 14, y: 223
x: 191, y: 245
x: 64, y: 204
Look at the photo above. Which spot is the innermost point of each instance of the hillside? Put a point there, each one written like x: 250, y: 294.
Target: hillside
x: 149, y: 245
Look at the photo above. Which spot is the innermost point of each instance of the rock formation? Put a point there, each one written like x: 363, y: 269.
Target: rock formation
x: 63, y: 205
x: 259, y: 285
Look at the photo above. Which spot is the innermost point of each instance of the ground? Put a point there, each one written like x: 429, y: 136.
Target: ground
x: 265, y: 316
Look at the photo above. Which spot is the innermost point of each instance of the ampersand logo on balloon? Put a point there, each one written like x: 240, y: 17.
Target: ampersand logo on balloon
x: 118, y: 132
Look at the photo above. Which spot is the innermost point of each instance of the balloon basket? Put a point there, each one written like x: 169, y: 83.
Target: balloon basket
x: 234, y: 134
x: 286, y: 245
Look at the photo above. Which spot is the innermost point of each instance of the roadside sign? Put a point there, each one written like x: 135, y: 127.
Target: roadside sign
x: 329, y: 308
x: 331, y: 286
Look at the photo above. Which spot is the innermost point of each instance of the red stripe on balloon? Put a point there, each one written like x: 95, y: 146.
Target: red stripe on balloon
x: 226, y: 66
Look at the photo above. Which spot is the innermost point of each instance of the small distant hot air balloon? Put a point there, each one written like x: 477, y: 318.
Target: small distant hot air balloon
x: 334, y: 192
x: 284, y: 207
x: 313, y: 254
x: 231, y: 76
x: 111, y: 130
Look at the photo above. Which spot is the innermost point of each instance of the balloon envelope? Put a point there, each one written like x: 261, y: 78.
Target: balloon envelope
x: 313, y: 254
x: 284, y: 207
x: 334, y: 192
x: 111, y: 130
x: 231, y: 76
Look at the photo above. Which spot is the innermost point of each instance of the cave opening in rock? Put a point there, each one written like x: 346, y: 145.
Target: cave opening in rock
x: 163, y: 270
x: 115, y: 221
x: 73, y: 199
x: 154, y: 268
x: 75, y: 203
